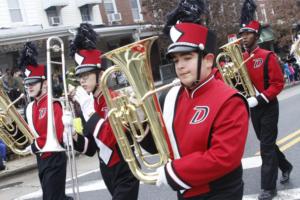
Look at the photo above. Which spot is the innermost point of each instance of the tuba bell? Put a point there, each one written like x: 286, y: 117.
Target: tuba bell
x: 234, y: 71
x: 133, y: 61
x: 14, y: 131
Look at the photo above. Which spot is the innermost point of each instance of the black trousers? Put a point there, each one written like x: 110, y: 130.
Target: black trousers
x: 2, y: 167
x: 119, y: 181
x: 265, y: 119
x: 52, y: 175
x: 231, y: 193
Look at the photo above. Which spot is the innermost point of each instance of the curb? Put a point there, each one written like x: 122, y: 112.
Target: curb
x: 7, y: 173
x: 291, y: 85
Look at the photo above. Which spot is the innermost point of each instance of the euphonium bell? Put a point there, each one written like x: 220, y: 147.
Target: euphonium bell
x: 133, y: 61
x: 234, y: 71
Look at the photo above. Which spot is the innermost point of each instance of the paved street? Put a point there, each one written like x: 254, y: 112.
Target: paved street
x: 26, y: 185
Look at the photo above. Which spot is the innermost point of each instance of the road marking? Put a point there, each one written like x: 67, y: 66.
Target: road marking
x: 86, y: 187
x: 292, y: 136
x: 291, y: 194
x: 288, y: 137
x: 84, y: 174
x: 290, y: 144
x: 248, y: 163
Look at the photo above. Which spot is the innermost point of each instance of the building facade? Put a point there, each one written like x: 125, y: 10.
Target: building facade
x: 117, y: 22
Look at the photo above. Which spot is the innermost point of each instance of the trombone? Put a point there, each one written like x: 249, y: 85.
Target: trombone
x: 56, y: 45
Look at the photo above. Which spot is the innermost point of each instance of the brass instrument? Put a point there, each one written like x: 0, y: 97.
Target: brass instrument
x: 133, y: 61
x: 235, y: 72
x: 52, y: 144
x: 14, y: 131
x: 56, y: 45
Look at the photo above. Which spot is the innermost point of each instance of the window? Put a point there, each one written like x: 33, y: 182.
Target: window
x: 135, y: 9
x: 109, y: 6
x: 53, y: 16
x: 85, y: 13
x: 15, y: 11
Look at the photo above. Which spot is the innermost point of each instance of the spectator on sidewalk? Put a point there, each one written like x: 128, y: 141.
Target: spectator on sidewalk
x: 287, y: 72
x: 297, y: 71
x: 18, y: 87
x: 2, y: 165
x: 3, y: 150
x: 3, y: 158
x: 292, y: 73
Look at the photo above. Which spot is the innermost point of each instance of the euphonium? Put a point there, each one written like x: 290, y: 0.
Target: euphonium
x: 14, y: 131
x: 235, y: 72
x: 133, y: 61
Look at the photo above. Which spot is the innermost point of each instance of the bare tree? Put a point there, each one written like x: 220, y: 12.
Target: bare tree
x: 285, y: 15
x: 224, y: 17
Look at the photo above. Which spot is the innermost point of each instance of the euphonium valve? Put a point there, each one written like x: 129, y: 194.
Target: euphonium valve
x: 138, y: 115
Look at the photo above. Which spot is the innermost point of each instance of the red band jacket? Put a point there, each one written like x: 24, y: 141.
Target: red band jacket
x: 37, y: 115
x: 98, y: 135
x: 207, y: 129
x: 265, y: 73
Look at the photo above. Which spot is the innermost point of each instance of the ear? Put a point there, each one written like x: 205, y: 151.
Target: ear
x: 209, y: 59
x: 45, y: 83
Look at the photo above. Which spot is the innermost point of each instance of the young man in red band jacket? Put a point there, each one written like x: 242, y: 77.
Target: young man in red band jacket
x: 98, y: 135
x: 266, y: 75
x: 51, y: 165
x: 206, y: 121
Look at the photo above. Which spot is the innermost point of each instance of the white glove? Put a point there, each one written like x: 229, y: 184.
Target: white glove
x: 162, y: 179
x: 86, y: 102
x: 252, y: 102
x: 67, y: 118
x: 28, y: 150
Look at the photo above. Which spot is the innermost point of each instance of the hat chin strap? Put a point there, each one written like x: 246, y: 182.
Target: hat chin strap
x: 40, y: 91
x: 97, y: 82
x: 199, y: 64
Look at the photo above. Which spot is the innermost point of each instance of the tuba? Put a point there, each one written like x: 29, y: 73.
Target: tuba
x: 14, y: 131
x: 124, y: 115
x: 234, y: 72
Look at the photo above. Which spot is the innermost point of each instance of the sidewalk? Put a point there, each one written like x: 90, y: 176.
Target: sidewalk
x: 289, y: 85
x: 19, y: 165
x: 24, y: 164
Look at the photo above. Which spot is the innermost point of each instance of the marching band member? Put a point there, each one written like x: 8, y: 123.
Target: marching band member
x: 51, y: 165
x: 266, y: 75
x: 98, y: 135
x: 206, y: 120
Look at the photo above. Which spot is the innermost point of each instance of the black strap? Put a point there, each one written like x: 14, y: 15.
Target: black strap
x: 266, y: 72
